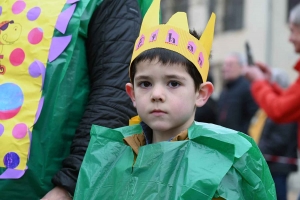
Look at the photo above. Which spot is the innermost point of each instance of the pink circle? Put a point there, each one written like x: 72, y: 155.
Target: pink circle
x: 18, y: 7
x: 17, y: 57
x: 35, y: 36
x: 19, y: 131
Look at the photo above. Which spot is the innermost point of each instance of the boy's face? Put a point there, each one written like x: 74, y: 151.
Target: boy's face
x: 165, y: 96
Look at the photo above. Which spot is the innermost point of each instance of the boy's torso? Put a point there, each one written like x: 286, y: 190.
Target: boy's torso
x: 201, y: 167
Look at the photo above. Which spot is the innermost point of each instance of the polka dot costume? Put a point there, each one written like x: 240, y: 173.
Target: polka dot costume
x: 26, y: 34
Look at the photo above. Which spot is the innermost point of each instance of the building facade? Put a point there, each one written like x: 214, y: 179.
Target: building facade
x: 264, y: 24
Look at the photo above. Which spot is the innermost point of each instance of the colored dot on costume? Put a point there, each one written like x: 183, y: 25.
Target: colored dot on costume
x: 35, y: 69
x: 0, y: 10
x: 18, y: 7
x: 33, y: 13
x: 19, y: 131
x: 35, y: 36
x: 1, y: 129
x: 12, y: 99
x: 17, y: 57
x: 11, y: 160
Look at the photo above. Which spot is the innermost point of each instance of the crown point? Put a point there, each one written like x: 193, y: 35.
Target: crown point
x: 207, y: 36
x: 179, y: 20
x: 151, y: 17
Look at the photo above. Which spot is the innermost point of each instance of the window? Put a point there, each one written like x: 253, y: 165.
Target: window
x: 169, y: 7
x: 233, y: 15
x: 230, y: 14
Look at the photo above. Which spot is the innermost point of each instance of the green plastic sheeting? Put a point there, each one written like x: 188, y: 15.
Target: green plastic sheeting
x: 66, y: 89
x: 214, y: 162
x: 144, y: 5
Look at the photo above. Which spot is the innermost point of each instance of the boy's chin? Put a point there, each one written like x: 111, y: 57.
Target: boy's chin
x: 159, y: 126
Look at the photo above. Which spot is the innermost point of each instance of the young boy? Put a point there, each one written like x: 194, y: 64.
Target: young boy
x: 168, y: 81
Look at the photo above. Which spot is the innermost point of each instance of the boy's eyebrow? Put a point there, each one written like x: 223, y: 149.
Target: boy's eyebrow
x: 167, y: 76
x: 175, y: 77
x: 141, y: 77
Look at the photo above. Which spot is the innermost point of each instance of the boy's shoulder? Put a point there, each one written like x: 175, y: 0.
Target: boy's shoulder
x: 214, y: 136
x: 221, y: 138
x: 125, y: 131
x: 198, y: 129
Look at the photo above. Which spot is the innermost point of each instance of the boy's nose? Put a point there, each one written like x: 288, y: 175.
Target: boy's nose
x: 157, y: 94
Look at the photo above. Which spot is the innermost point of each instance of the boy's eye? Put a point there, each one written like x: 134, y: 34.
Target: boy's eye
x: 173, y: 84
x: 145, y: 84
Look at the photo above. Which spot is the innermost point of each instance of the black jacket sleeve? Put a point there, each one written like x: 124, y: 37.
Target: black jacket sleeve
x: 112, y: 32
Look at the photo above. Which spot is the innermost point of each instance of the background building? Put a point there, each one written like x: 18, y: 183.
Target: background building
x: 263, y: 23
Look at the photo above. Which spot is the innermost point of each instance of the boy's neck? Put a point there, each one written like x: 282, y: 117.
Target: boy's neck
x: 159, y: 136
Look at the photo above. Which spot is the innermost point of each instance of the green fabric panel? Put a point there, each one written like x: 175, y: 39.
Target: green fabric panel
x: 66, y: 89
x: 144, y: 5
x: 215, y: 162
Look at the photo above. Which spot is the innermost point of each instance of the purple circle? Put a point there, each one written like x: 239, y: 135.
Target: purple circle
x: 34, y: 69
x: 33, y: 13
x: 1, y: 129
x: 18, y: 7
x: 19, y: 131
x: 0, y: 10
x: 11, y: 160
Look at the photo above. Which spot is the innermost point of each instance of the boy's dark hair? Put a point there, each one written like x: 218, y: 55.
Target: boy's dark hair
x: 166, y: 56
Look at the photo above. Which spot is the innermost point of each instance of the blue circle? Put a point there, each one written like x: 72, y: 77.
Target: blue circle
x: 11, y: 160
x: 11, y: 97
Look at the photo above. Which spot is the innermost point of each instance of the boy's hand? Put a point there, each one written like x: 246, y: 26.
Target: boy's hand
x: 57, y: 193
x: 258, y: 72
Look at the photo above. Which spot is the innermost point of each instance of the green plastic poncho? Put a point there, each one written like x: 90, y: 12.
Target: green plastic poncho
x: 214, y: 162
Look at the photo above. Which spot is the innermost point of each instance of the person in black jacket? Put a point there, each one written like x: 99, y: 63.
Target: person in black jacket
x: 112, y: 32
x: 278, y: 143
x: 236, y: 106
x: 208, y: 112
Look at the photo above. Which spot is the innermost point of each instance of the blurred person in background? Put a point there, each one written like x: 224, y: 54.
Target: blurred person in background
x: 281, y: 105
x: 236, y: 106
x: 277, y: 142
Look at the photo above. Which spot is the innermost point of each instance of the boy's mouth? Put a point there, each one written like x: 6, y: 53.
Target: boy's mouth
x: 157, y: 112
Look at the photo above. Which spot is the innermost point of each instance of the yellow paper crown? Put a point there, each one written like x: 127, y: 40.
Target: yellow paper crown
x: 175, y: 36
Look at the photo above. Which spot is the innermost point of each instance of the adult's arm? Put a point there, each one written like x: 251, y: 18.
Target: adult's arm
x: 113, y: 30
x: 281, y: 106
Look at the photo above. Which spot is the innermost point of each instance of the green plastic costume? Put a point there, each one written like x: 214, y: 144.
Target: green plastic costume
x: 214, y: 162
x: 65, y: 90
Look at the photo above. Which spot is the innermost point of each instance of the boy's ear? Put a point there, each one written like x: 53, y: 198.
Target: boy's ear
x: 130, y: 92
x: 203, y: 93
